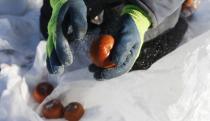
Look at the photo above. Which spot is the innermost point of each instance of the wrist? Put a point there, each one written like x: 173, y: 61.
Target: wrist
x: 140, y: 17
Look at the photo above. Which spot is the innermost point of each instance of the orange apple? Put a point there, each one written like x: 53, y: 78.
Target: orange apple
x: 100, y: 51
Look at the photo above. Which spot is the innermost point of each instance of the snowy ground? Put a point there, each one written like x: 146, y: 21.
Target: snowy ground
x: 176, y: 88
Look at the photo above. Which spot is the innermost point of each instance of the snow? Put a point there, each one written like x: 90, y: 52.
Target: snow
x: 176, y: 88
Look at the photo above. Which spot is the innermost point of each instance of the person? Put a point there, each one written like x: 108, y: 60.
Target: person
x: 139, y: 21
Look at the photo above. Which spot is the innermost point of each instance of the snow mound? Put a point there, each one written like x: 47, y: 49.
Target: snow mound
x: 176, y: 88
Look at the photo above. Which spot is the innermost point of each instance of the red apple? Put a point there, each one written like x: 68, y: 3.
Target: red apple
x: 42, y: 90
x: 74, y: 111
x: 53, y: 109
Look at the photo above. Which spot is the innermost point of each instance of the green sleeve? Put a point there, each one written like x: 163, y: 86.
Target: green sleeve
x: 56, y: 6
x: 140, y: 18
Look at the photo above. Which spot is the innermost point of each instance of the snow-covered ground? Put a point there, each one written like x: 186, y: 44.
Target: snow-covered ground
x: 176, y: 88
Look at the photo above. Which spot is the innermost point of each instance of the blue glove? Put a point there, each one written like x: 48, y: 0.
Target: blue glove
x: 58, y: 50
x: 129, y: 40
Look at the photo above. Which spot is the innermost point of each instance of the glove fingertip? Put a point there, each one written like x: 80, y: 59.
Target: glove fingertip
x: 57, y: 70
x: 92, y: 68
x: 63, y: 49
x: 52, y: 69
x: 98, y: 76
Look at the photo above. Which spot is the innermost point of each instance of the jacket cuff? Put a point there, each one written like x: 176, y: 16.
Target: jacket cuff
x: 52, y: 24
x: 140, y: 17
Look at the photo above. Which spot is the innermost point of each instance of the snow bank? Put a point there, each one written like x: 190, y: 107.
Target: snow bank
x: 176, y: 88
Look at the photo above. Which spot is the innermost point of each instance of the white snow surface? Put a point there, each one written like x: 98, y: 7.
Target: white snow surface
x: 176, y: 88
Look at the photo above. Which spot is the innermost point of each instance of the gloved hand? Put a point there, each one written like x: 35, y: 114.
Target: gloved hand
x: 129, y: 39
x: 58, y: 50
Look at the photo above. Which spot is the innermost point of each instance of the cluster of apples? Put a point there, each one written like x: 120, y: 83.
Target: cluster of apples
x: 54, y: 108
x: 99, y: 52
